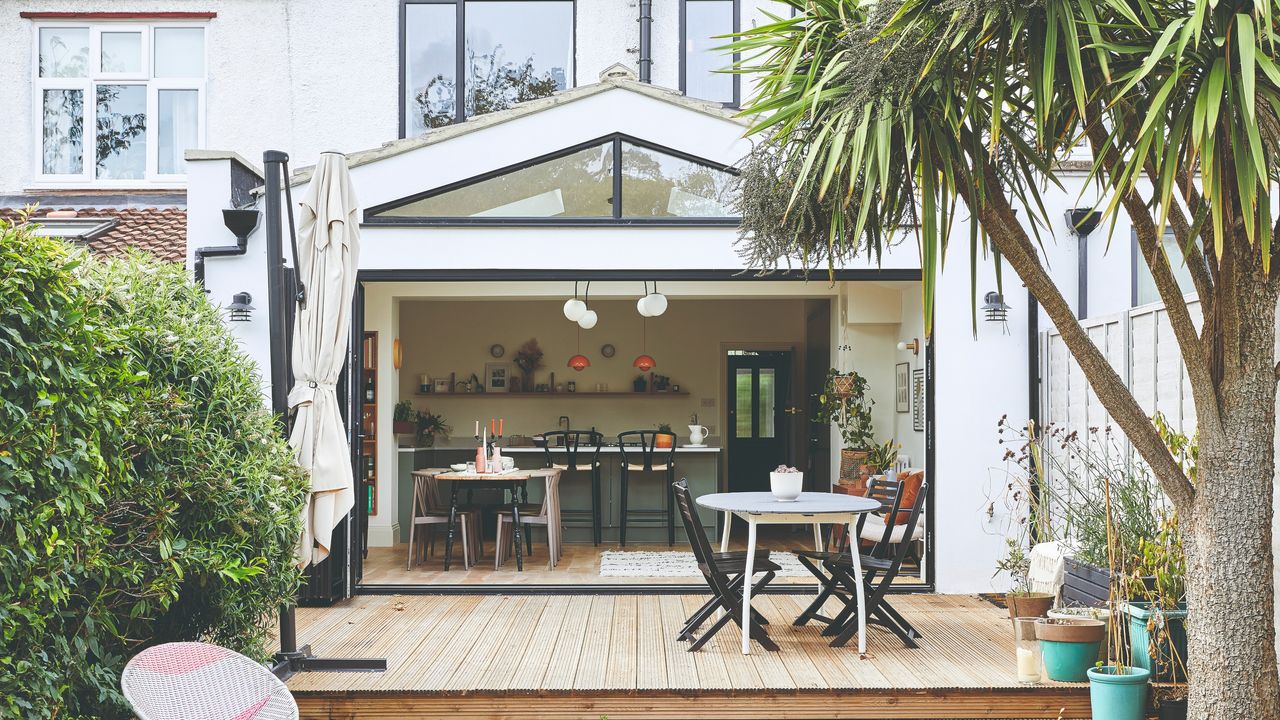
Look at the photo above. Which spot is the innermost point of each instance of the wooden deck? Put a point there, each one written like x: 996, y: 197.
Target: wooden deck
x: 587, y: 656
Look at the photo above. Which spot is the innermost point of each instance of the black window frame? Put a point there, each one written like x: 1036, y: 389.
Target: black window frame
x: 460, y: 49
x: 684, y: 51
x: 372, y: 216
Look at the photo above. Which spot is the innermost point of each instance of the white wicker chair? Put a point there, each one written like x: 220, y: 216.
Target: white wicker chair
x: 198, y: 681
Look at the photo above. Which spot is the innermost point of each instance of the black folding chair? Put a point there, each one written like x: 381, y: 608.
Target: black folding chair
x: 880, y: 566
x: 725, y: 574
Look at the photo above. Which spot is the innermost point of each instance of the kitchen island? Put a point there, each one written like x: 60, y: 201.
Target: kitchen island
x: 700, y: 464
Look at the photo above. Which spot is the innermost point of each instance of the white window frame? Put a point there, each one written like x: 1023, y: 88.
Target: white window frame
x: 151, y: 177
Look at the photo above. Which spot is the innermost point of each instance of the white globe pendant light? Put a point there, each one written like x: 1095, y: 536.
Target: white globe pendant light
x: 656, y: 304
x: 588, y: 320
x: 574, y: 309
x: 642, y: 307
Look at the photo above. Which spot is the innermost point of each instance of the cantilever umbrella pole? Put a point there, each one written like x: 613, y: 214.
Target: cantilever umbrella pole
x: 291, y: 659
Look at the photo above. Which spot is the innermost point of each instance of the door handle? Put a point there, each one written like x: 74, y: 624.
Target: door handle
x: 792, y: 411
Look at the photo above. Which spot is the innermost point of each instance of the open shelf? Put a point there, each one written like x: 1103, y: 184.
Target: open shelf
x: 497, y: 395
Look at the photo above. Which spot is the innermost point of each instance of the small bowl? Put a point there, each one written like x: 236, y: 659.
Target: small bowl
x: 458, y: 467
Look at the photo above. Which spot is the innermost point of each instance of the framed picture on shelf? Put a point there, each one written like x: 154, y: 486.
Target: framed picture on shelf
x: 441, y: 385
x: 917, y: 401
x: 497, y: 377
x: 902, y: 386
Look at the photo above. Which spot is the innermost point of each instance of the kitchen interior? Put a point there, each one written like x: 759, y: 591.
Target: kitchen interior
x: 452, y: 365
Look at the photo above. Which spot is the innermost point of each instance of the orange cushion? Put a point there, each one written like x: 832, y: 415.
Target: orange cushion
x: 911, y: 482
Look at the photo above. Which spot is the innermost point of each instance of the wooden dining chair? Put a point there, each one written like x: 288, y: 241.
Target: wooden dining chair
x: 546, y: 514
x: 430, y: 513
x: 725, y: 574
x: 582, y: 454
x: 646, y: 457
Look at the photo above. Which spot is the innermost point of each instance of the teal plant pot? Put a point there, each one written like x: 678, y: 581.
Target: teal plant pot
x: 1069, y: 646
x: 1068, y: 661
x: 1118, y: 696
x: 1167, y: 659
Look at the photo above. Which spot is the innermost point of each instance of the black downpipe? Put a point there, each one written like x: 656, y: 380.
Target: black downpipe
x: 1033, y: 390
x: 646, y: 41
x: 242, y: 222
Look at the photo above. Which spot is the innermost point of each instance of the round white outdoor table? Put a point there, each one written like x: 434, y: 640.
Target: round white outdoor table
x: 811, y: 508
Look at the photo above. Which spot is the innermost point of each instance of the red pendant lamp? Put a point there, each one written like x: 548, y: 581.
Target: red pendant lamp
x: 579, y: 362
x: 645, y: 362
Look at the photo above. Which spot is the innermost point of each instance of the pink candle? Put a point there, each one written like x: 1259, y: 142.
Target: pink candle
x: 500, y: 420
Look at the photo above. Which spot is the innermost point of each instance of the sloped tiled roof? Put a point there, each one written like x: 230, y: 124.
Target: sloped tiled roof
x: 159, y: 231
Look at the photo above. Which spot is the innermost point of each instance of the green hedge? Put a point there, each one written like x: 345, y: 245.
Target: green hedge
x: 145, y: 492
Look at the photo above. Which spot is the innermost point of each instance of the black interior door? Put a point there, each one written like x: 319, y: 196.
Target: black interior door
x: 758, y: 435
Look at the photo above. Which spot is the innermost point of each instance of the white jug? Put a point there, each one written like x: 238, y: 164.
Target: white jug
x: 697, y: 434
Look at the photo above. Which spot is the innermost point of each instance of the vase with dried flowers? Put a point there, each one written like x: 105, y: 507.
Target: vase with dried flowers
x: 529, y: 359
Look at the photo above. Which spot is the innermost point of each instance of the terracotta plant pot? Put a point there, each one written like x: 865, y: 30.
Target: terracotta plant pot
x: 1028, y: 604
x: 404, y: 427
x: 663, y: 441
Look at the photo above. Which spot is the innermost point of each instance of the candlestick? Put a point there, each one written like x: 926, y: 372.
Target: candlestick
x: 500, y: 421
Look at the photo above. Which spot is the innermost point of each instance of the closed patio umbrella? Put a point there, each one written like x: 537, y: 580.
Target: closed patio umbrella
x: 328, y: 248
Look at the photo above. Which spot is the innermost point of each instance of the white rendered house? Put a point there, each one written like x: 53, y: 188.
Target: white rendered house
x: 482, y: 209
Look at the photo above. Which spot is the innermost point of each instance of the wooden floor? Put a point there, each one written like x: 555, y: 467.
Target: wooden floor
x: 587, y: 656
x: 579, y: 565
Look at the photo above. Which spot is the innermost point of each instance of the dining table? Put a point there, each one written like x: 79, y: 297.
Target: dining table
x: 515, y: 481
x: 810, y: 508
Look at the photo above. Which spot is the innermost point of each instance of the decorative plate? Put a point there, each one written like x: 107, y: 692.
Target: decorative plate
x: 607, y: 350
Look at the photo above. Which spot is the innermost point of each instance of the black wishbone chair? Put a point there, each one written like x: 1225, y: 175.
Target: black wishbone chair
x: 646, y: 457
x: 880, y: 567
x: 582, y: 454
x: 725, y: 573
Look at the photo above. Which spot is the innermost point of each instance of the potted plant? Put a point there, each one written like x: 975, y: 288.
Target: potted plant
x: 843, y: 403
x: 1022, y: 602
x: 529, y: 359
x: 1157, y: 615
x: 1089, y: 470
x: 664, y: 440
x: 880, y: 458
x: 429, y: 426
x: 786, y: 483
x: 404, y: 418
x: 1069, y: 646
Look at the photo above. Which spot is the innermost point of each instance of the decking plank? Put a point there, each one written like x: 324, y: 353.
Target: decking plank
x: 597, y: 645
x: 620, y: 669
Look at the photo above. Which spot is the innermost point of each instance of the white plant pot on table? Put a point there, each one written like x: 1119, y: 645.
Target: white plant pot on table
x: 786, y: 486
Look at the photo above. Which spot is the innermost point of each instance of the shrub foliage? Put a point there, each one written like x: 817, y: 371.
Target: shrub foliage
x: 146, y: 494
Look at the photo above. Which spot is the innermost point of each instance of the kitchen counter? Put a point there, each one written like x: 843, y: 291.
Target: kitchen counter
x: 604, y: 449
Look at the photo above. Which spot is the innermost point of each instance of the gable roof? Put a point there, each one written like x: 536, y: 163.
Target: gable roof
x: 615, y: 77
x: 159, y: 231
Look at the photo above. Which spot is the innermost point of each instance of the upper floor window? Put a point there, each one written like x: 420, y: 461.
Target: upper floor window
x: 701, y: 24
x: 490, y: 54
x: 1144, y: 285
x: 118, y: 104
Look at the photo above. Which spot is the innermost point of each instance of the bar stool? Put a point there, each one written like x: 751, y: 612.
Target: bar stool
x: 582, y: 450
x: 646, y: 456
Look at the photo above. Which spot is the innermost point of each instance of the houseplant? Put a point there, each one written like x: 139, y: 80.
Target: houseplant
x: 844, y: 403
x: 786, y: 483
x: 1157, y: 617
x: 880, y: 458
x: 664, y: 440
x: 429, y: 426
x: 404, y: 418
x: 1022, y: 602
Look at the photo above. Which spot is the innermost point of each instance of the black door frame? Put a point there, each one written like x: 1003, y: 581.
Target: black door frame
x: 367, y: 276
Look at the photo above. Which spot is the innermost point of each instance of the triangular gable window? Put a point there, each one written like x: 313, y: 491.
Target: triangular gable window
x: 579, y: 185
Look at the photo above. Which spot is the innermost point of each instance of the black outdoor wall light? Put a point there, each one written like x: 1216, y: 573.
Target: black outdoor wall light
x: 240, y: 307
